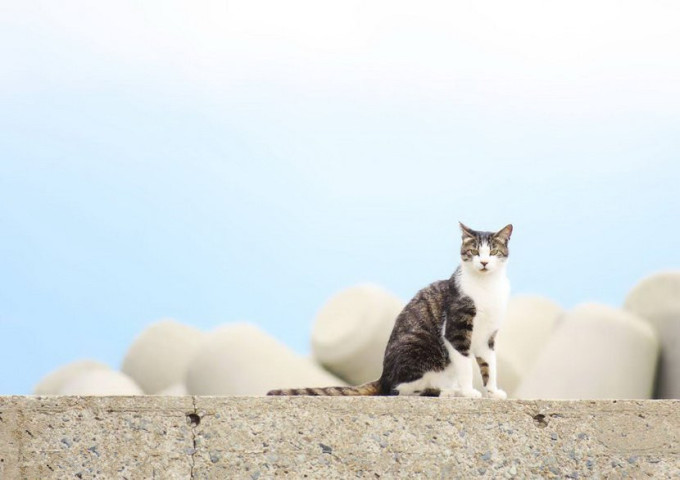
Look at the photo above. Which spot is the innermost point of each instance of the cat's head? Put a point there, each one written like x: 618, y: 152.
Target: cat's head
x: 484, y: 252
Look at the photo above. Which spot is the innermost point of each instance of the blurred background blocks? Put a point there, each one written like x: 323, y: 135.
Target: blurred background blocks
x: 159, y: 356
x: 241, y: 359
x: 100, y: 382
x: 596, y: 352
x: 528, y: 325
x: 51, y: 384
x: 657, y: 300
x: 592, y: 351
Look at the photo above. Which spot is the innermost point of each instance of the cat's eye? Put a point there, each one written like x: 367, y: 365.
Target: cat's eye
x: 472, y: 252
x: 495, y: 251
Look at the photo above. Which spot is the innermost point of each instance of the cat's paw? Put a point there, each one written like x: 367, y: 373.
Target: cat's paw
x: 450, y: 392
x: 496, y: 393
x: 470, y: 393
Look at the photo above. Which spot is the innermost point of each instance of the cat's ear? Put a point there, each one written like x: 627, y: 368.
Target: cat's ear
x: 504, y: 233
x: 467, y: 232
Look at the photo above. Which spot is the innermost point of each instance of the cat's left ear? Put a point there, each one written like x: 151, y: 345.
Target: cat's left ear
x: 504, y: 233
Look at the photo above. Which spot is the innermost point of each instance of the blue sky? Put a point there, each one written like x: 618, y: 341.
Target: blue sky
x: 243, y: 161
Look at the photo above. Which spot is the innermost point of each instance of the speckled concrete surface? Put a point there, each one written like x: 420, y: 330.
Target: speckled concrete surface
x: 95, y: 437
x: 251, y: 438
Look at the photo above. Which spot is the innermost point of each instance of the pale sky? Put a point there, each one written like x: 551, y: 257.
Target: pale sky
x: 219, y: 161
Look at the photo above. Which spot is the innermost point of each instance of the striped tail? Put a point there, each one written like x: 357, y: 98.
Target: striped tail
x: 370, y: 388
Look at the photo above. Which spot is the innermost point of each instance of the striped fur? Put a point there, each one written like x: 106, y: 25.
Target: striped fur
x: 367, y: 389
x: 483, y: 370
x: 492, y: 340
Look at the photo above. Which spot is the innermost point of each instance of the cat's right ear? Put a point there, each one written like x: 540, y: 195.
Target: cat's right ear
x: 467, y: 232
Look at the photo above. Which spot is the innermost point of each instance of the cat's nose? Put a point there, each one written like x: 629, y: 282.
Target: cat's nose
x: 484, y: 264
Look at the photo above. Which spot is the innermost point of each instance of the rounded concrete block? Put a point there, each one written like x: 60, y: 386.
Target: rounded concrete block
x: 241, y: 359
x: 52, y: 382
x: 351, y: 331
x: 159, y: 356
x: 595, y: 352
x: 529, y: 323
x: 657, y: 300
x: 100, y: 382
x: 176, y: 390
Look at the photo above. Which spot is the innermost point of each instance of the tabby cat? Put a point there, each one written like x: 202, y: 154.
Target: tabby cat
x: 446, y: 327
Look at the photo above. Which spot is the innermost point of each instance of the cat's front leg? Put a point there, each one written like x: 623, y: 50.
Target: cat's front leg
x: 458, y: 339
x: 462, y: 365
x: 487, y: 367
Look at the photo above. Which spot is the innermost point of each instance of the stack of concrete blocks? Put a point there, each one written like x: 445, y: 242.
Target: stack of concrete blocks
x: 595, y: 352
x: 169, y: 358
x: 590, y: 352
x: 604, y: 352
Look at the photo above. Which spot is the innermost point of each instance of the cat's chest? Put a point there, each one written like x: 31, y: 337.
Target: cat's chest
x: 490, y: 296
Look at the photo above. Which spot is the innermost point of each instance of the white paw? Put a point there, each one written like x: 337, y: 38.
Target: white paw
x: 496, y: 393
x: 470, y: 393
x: 450, y: 392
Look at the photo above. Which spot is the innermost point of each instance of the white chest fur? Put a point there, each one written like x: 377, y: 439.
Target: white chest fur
x: 490, y: 293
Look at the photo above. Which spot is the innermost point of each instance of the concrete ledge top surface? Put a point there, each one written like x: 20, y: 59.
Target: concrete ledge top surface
x: 334, y: 437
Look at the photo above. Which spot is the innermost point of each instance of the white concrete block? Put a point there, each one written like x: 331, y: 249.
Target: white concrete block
x: 100, y: 382
x: 351, y: 331
x: 52, y: 382
x: 529, y: 323
x: 176, y: 390
x: 241, y: 359
x: 657, y: 300
x: 595, y: 352
x: 158, y: 357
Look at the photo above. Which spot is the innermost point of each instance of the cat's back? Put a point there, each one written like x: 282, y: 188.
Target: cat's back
x: 425, y: 309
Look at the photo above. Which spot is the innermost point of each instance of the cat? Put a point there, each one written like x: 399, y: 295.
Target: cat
x: 445, y: 328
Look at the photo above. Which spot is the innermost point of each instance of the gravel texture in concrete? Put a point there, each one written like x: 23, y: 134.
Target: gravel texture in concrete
x: 328, y: 438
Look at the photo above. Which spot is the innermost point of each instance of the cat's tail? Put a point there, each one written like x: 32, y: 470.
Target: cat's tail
x: 370, y: 388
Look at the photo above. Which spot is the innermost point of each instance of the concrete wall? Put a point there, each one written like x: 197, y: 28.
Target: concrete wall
x: 257, y: 437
